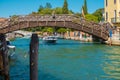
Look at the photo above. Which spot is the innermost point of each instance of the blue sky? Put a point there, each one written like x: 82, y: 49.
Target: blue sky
x: 24, y: 7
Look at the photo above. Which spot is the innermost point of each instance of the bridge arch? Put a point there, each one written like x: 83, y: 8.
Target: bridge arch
x: 67, y: 21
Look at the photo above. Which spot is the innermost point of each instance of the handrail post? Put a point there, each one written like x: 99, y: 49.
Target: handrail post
x: 34, y: 46
x: 64, y: 23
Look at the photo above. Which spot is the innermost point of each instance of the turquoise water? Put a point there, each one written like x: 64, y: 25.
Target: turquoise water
x: 67, y: 60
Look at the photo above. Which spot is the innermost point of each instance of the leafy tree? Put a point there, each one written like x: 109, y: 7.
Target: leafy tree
x: 62, y: 30
x: 48, y: 5
x: 46, y: 11
x: 91, y: 17
x: 33, y: 13
x: 40, y: 8
x: 50, y: 30
x: 58, y: 10
x: 38, y: 28
x: 65, y: 7
x: 44, y: 29
x: 98, y: 13
x: 70, y: 12
x: 85, y: 7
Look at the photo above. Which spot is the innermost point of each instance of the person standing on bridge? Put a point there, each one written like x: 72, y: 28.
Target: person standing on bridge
x: 53, y: 14
x: 110, y: 35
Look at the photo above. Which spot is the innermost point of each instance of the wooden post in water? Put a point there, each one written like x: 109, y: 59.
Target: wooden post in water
x: 34, y: 46
x: 4, y: 53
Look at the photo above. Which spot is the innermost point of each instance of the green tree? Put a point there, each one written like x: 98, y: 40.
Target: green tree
x: 58, y: 10
x: 46, y: 11
x: 33, y: 13
x: 91, y: 17
x: 44, y: 29
x: 70, y: 12
x: 62, y: 30
x: 65, y: 7
x: 99, y: 13
x: 40, y: 8
x: 85, y: 7
x: 48, y: 5
x: 50, y: 30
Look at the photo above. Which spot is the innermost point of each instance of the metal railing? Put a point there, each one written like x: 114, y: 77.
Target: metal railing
x: 115, y: 20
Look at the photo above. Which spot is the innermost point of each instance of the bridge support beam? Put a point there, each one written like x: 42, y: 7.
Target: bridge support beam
x: 4, y: 62
x: 34, y: 46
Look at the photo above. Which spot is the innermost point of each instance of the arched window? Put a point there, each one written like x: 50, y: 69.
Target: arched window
x: 119, y: 13
x: 115, y: 15
x: 106, y: 16
x: 106, y: 2
x: 114, y: 1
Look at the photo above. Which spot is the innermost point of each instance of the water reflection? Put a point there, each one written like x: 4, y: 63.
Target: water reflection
x: 71, y: 43
x: 111, y: 64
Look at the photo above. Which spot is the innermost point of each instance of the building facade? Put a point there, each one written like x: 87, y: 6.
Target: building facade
x: 112, y: 11
x: 112, y: 15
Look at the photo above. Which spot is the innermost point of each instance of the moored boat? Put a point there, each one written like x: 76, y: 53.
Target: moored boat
x: 50, y: 39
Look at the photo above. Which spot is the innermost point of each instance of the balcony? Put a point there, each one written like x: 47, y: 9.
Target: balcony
x: 115, y: 20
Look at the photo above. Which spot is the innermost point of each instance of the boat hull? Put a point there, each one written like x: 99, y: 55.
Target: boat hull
x: 49, y: 41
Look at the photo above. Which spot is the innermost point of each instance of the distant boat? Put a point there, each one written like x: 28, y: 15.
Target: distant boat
x: 50, y: 39
x: 27, y: 36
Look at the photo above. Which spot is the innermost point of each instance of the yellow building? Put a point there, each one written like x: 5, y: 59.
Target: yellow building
x: 112, y: 12
x: 112, y: 15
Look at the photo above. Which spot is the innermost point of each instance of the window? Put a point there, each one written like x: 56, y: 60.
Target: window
x: 114, y: 1
x: 106, y: 2
x: 115, y: 15
x: 106, y: 16
x: 119, y: 13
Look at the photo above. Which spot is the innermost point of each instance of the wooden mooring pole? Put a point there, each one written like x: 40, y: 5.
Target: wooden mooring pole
x: 34, y: 46
x: 4, y: 63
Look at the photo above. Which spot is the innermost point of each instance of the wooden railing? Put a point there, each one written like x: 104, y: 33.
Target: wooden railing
x: 55, y: 20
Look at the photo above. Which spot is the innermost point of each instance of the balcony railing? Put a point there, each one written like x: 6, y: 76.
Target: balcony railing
x: 115, y: 20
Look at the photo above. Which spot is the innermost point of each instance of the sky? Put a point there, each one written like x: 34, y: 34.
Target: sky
x: 24, y: 7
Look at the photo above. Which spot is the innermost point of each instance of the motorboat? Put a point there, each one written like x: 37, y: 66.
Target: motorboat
x: 50, y: 39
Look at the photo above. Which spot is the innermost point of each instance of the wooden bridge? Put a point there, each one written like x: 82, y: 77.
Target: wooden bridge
x: 67, y: 21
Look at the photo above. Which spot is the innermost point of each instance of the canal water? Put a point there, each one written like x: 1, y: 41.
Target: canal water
x: 67, y: 60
